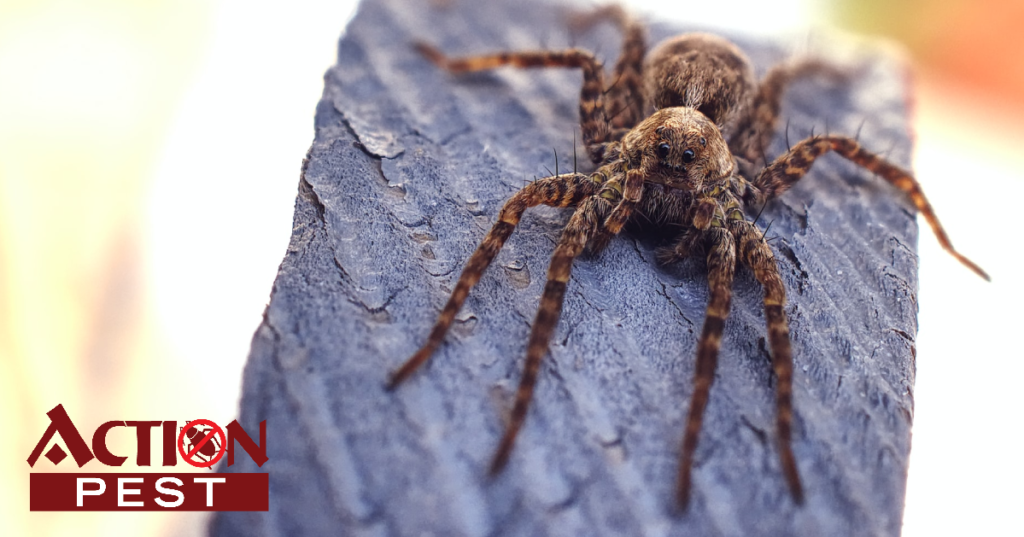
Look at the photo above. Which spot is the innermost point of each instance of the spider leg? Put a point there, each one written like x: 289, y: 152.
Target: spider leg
x: 595, y: 125
x: 790, y: 167
x: 557, y: 191
x: 632, y: 191
x: 756, y: 254
x: 578, y: 231
x: 721, y: 258
x: 756, y: 127
x: 686, y: 244
x: 624, y: 94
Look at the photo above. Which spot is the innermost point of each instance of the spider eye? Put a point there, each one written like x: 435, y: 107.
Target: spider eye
x: 688, y: 156
x: 663, y: 150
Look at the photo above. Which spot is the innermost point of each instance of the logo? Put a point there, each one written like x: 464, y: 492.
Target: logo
x: 200, y: 443
x: 203, y: 441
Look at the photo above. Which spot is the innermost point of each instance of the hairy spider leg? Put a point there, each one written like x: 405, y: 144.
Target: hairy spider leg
x: 755, y: 253
x: 632, y: 190
x: 721, y: 260
x: 580, y: 229
x: 756, y: 127
x: 595, y: 126
x: 686, y: 244
x: 790, y: 167
x: 558, y: 191
x: 624, y: 95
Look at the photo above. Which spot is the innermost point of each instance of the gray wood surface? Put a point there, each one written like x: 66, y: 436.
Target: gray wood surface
x: 406, y: 173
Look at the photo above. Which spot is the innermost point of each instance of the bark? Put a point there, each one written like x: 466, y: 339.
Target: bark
x: 407, y: 171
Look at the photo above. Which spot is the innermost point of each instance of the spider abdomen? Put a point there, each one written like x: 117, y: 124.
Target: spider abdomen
x: 700, y: 71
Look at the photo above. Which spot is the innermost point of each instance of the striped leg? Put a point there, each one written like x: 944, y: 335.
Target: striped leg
x: 595, y: 126
x: 686, y: 244
x: 721, y: 251
x: 624, y: 96
x: 755, y: 129
x: 558, y: 191
x: 786, y: 170
x: 580, y: 229
x: 632, y: 191
x: 756, y: 254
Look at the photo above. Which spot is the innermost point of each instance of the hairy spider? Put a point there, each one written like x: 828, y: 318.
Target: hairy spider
x: 690, y: 165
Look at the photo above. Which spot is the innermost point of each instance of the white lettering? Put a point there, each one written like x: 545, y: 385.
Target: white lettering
x: 209, y: 487
x: 122, y: 491
x: 161, y: 489
x: 93, y: 492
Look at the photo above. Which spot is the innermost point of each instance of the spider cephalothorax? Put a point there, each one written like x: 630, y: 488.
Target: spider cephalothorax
x: 680, y: 148
x: 688, y: 166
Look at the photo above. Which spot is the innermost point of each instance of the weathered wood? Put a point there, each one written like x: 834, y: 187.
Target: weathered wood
x: 407, y: 172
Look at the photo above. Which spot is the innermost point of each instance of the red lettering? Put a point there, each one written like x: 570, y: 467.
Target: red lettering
x: 170, y: 436
x: 142, y: 434
x: 258, y: 453
x: 61, y: 423
x: 99, y: 444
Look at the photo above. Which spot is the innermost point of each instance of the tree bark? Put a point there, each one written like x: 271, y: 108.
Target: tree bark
x: 407, y: 171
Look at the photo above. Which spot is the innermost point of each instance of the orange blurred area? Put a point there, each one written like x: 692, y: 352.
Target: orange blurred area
x: 977, y: 44
x: 981, y: 44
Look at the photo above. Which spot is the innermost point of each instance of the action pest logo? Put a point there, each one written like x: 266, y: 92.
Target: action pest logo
x: 200, y: 443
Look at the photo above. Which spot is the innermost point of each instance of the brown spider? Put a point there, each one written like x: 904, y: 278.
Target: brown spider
x: 689, y: 164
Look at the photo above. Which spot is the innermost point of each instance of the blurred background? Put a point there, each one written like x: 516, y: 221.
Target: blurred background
x: 149, y: 159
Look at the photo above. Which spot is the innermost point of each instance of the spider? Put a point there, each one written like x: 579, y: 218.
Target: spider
x: 690, y: 166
